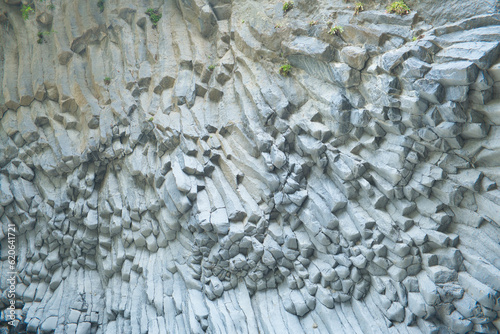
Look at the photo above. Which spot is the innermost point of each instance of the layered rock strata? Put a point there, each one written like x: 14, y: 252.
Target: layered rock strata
x: 165, y: 178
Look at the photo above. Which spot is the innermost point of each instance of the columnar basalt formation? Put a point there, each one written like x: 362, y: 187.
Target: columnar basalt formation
x: 163, y: 177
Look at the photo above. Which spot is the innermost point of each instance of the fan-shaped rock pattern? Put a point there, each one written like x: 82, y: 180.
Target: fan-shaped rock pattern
x: 165, y: 178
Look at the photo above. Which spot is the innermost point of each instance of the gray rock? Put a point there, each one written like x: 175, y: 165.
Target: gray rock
x: 325, y: 297
x: 355, y: 57
x: 430, y: 90
x: 440, y: 274
x: 49, y: 325
x: 415, y: 68
x: 6, y: 196
x: 397, y: 274
x: 447, y: 129
x: 428, y: 289
x: 483, y: 54
x: 483, y: 82
x: 396, y: 312
x: 238, y: 199
x: 309, y: 46
x: 458, y: 73
x: 390, y: 60
x: 452, y: 112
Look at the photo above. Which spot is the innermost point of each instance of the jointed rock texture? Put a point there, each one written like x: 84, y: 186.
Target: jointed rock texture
x: 165, y: 178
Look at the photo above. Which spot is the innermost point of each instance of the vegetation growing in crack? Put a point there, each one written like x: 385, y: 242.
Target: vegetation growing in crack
x: 26, y: 10
x: 100, y: 4
x: 358, y: 8
x: 398, y: 7
x: 154, y: 16
x: 313, y: 23
x: 211, y: 67
x: 40, y: 35
x: 107, y: 80
x: 336, y: 30
x: 285, y: 70
x: 287, y: 6
x: 416, y: 38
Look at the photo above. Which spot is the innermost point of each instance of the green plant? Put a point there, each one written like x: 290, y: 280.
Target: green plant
x: 154, y: 16
x: 398, y: 7
x: 285, y: 69
x: 277, y: 26
x: 337, y: 30
x: 211, y: 67
x: 414, y: 38
x: 313, y: 23
x: 41, y: 34
x: 100, y: 4
x: 151, y: 118
x: 107, y: 80
x: 287, y: 6
x: 51, y: 6
x: 358, y: 8
x: 26, y: 10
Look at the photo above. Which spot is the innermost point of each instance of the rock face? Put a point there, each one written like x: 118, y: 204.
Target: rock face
x: 162, y: 176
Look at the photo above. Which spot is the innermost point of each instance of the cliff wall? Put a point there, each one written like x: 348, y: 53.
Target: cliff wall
x: 162, y: 176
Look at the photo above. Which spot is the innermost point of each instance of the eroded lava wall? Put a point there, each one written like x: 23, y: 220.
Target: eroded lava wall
x: 169, y: 180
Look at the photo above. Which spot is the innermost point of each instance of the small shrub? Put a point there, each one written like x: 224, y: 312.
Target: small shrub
x: 358, y: 8
x: 313, y: 23
x: 414, y: 38
x: 336, y: 30
x: 398, y: 7
x: 107, y: 80
x: 26, y: 10
x: 287, y: 6
x: 154, y: 16
x: 211, y: 67
x: 285, y: 70
x: 151, y: 118
x: 100, y: 4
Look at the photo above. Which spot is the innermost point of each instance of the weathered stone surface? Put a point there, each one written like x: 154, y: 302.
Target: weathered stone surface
x: 430, y: 90
x: 483, y: 54
x: 457, y: 73
x: 355, y: 57
x: 201, y: 190
x: 311, y: 47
